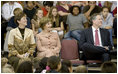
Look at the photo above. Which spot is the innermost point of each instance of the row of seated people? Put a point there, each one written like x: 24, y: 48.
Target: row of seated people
x: 63, y: 16
x: 21, y: 41
x: 51, y: 64
x: 59, y: 23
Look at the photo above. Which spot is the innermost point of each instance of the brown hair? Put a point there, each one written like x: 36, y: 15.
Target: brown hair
x: 44, y: 21
x: 17, y: 11
x: 25, y: 67
x: 67, y: 63
x: 108, y: 67
x: 53, y: 62
x: 23, y: 59
x: 81, y: 69
x: 51, y: 16
x: 18, y: 17
x: 108, y: 4
x: 35, y: 16
x: 91, y: 1
x: 105, y: 7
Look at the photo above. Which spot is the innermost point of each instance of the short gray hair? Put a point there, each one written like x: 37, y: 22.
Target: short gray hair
x: 93, y: 17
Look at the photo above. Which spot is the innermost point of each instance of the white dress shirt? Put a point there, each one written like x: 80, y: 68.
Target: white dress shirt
x: 7, y: 10
x: 99, y: 35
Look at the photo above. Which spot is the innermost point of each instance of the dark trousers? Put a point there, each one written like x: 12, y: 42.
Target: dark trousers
x: 115, y: 27
x: 92, y: 52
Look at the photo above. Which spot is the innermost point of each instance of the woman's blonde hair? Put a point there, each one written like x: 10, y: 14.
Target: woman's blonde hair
x: 44, y: 21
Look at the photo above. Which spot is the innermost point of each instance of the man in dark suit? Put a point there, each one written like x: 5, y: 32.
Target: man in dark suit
x: 94, y: 41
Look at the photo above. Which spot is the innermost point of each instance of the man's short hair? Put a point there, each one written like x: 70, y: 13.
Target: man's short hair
x: 93, y: 17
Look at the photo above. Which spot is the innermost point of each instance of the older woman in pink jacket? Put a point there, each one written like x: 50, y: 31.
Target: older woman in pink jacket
x: 48, y: 43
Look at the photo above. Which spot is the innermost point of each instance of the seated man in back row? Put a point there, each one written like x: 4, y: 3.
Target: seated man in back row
x: 95, y: 42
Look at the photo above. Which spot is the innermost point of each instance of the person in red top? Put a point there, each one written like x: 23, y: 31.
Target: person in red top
x: 115, y: 12
x: 46, y: 8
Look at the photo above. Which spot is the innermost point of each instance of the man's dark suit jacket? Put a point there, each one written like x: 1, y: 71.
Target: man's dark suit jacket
x: 87, y: 37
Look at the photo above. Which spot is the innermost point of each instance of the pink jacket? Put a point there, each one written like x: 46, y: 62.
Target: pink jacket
x: 48, y: 44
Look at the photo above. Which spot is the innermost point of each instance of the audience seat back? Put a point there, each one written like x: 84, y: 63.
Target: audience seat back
x: 69, y: 49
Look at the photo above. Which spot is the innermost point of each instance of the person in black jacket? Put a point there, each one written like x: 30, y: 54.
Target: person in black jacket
x: 95, y: 42
x: 30, y: 9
